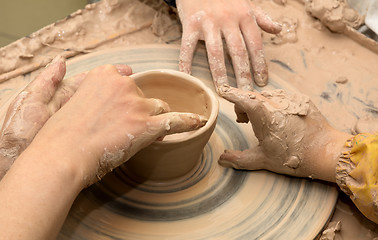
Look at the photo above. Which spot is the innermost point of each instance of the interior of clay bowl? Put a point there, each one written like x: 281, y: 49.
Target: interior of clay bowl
x: 178, y: 154
x: 183, y: 93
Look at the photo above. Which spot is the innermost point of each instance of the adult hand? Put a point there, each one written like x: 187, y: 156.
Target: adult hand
x: 238, y: 22
x: 34, y: 105
x: 103, y: 124
x: 294, y: 137
x: 31, y: 108
x: 107, y: 121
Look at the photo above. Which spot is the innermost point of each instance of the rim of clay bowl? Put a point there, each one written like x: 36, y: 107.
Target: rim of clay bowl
x: 213, y: 99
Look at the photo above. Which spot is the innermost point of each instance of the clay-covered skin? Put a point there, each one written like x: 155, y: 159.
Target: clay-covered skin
x: 46, y: 94
x: 34, y: 105
x: 107, y: 121
x: 238, y: 22
x: 30, y: 110
x: 294, y: 137
x: 101, y: 126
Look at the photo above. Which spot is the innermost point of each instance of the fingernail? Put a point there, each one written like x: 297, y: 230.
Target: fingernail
x: 55, y: 60
x: 261, y: 78
x: 203, y: 120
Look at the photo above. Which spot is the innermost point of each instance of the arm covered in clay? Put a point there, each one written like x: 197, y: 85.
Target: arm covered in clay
x: 239, y: 23
x: 296, y: 139
x: 101, y: 126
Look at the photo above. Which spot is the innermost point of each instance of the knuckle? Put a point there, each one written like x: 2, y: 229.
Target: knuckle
x: 65, y: 94
x: 103, y: 68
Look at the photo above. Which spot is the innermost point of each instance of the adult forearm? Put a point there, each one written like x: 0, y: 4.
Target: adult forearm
x: 8, y: 153
x: 36, y: 194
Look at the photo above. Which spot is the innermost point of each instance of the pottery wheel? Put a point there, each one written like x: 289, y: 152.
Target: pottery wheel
x: 212, y: 203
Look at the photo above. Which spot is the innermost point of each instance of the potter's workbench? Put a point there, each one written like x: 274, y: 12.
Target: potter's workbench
x: 313, y: 64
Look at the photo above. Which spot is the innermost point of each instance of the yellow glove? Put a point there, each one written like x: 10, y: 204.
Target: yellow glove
x: 357, y: 173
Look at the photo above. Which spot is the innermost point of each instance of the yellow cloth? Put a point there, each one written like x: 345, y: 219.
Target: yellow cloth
x: 357, y: 173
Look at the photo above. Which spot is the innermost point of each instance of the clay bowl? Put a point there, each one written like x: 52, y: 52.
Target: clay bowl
x: 213, y: 203
x: 177, y: 155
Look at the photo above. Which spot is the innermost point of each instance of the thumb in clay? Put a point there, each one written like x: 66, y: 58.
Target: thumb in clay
x: 285, y: 126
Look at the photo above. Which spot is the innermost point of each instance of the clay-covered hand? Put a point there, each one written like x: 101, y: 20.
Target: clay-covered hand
x: 31, y: 108
x: 238, y: 22
x: 294, y: 137
x: 107, y: 121
x: 34, y: 105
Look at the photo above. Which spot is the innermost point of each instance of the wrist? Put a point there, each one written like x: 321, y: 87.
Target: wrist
x: 41, y: 187
x: 356, y: 172
x: 332, y: 151
x: 66, y: 156
x: 75, y: 147
x: 57, y: 165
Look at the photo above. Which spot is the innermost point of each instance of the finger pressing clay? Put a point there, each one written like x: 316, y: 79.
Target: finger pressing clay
x: 157, y: 127
x: 174, y: 122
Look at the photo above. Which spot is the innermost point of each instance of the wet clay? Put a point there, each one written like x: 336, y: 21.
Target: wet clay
x: 178, y: 154
x: 366, y: 124
x: 312, y: 64
x: 285, y: 126
x: 288, y: 33
x: 335, y: 14
x: 330, y: 232
x: 340, y: 18
x: 87, y: 28
x: 295, y: 104
x: 318, y: 65
x: 285, y: 106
